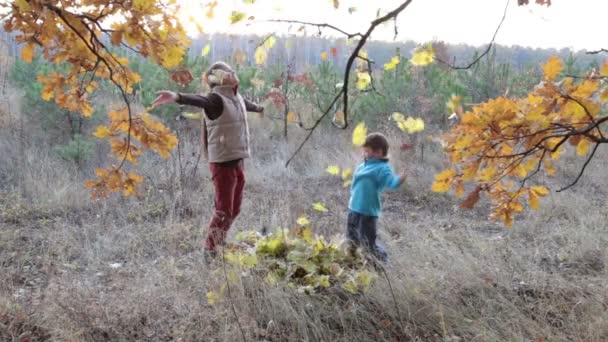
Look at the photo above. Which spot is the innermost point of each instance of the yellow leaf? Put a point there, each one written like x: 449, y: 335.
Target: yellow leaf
x: 102, y: 131
x: 411, y: 125
x: 48, y: 92
x: 552, y: 68
x: 211, y: 6
x: 206, y: 50
x: 604, y: 69
x: 260, y: 55
x: 318, y: 206
x: 423, y: 56
x: 363, y: 80
x: 533, y: 200
x: 213, y: 297
x: 583, y: 147
x: 236, y: 16
x: 443, y: 180
x: 359, y: 134
x: 291, y: 116
x: 303, y: 221
x: 269, y: 42
x: 333, y: 170
x: 324, y: 55
x: 392, y: 64
x: 27, y: 52
x: 23, y: 5
x: 540, y: 190
x: 347, y: 173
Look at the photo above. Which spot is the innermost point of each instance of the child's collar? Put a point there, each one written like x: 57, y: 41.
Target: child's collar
x: 375, y: 160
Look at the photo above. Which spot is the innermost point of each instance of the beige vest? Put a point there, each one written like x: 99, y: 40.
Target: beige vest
x: 227, y: 137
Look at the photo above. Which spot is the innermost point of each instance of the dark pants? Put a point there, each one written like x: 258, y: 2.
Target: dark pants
x: 361, y: 231
x: 229, y: 182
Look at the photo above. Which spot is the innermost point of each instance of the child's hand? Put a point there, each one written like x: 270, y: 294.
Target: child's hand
x: 164, y: 97
x: 402, y: 177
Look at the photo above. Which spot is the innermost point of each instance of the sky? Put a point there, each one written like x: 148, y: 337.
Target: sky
x: 575, y: 24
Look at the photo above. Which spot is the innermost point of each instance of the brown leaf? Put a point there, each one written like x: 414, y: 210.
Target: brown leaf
x: 182, y: 77
x: 471, y: 199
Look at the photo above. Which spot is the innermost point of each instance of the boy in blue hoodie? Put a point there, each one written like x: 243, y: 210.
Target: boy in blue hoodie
x: 369, y: 180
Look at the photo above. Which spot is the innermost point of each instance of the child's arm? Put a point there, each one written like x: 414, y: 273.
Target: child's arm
x: 212, y: 104
x: 389, y: 179
x: 253, y: 107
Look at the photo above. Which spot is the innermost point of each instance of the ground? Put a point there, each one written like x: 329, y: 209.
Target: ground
x: 128, y: 269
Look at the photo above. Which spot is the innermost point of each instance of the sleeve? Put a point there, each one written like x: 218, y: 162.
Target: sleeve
x: 388, y: 178
x: 212, y: 104
x: 253, y: 107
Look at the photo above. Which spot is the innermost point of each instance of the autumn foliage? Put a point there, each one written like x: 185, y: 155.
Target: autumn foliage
x: 500, y: 146
x: 85, y: 36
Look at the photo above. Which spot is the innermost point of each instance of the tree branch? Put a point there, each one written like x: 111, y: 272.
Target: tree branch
x: 486, y: 51
x: 580, y: 174
x: 355, y: 54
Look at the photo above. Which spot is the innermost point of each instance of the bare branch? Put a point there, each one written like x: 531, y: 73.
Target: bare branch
x: 580, y: 174
x: 595, y: 52
x: 486, y: 51
x: 355, y: 54
x: 318, y: 25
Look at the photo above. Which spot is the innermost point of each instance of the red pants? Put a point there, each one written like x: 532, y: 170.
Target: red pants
x: 229, y: 183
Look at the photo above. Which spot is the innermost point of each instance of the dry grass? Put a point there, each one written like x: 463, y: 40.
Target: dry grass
x: 124, y: 269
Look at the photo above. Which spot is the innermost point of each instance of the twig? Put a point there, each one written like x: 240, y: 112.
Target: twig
x: 487, y: 50
x: 318, y: 25
x: 580, y: 174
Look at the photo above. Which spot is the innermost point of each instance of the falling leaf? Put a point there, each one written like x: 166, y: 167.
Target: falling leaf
x: 363, y: 80
x: 236, y: 16
x: 392, y: 64
x: 206, y: 50
x: 406, y: 147
x: 359, y: 134
x: 270, y: 42
x: 211, y: 6
x: 423, y: 56
x: 318, y: 206
x: 347, y: 173
x: 303, y: 221
x: 291, y: 116
x: 336, y: 3
x: 553, y: 67
x: 249, y: 1
x: 260, y: 55
x: 352, y: 10
x: 182, y: 77
x: 333, y: 170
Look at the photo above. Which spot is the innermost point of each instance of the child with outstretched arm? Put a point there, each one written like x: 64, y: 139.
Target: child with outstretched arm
x: 225, y: 143
x: 370, y: 179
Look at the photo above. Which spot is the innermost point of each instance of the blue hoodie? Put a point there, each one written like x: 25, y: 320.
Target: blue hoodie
x: 369, y: 180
